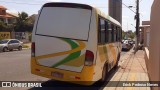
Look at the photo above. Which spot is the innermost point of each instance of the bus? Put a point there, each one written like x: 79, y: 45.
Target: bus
x: 75, y: 43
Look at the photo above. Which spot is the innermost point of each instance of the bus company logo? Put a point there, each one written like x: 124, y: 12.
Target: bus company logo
x: 6, y: 84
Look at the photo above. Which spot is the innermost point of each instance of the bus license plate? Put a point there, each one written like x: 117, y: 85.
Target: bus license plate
x: 57, y: 74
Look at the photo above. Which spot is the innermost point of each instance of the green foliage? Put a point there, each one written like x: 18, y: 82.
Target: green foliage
x: 129, y: 34
x: 123, y: 34
x: 6, y: 27
x: 25, y: 46
x: 32, y: 19
x: 22, y: 23
x: 30, y: 36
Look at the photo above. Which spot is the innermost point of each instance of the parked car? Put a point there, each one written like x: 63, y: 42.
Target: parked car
x: 126, y: 45
x: 10, y: 44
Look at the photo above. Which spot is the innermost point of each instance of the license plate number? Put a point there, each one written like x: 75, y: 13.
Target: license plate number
x: 57, y: 74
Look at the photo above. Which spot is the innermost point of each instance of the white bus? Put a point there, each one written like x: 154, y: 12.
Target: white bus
x: 74, y: 43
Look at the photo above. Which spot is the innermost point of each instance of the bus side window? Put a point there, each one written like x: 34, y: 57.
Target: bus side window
x: 120, y: 33
x: 117, y: 33
x: 101, y: 31
x: 109, y: 30
x: 103, y: 34
x: 112, y: 32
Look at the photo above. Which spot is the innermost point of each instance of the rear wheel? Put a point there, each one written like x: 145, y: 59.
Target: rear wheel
x: 104, y: 73
x: 20, y: 48
x: 5, y: 49
x: 118, y: 58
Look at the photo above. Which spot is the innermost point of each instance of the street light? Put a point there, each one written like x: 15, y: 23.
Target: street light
x: 131, y: 7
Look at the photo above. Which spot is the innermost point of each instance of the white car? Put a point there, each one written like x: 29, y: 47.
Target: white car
x: 126, y: 45
x: 10, y: 44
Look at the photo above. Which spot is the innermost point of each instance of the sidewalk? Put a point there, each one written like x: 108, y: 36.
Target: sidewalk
x: 132, y: 67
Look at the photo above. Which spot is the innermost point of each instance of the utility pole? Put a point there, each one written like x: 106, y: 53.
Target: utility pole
x: 137, y: 24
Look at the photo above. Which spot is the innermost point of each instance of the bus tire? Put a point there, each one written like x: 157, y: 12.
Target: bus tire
x: 118, y: 58
x: 104, y: 73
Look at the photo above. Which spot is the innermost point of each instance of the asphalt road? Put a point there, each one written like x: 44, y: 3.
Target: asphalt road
x: 15, y: 66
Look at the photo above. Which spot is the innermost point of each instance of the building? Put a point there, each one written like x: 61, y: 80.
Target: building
x: 145, y: 33
x: 152, y: 53
x: 115, y: 9
x: 6, y: 17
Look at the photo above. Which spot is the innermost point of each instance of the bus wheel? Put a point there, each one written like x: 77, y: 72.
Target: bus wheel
x: 104, y: 73
x: 116, y: 66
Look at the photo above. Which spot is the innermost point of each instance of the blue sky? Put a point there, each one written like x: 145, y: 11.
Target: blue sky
x: 128, y: 22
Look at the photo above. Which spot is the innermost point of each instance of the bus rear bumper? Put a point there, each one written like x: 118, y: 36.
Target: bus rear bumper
x: 85, y: 77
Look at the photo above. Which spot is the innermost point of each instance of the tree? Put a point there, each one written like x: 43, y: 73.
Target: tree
x: 2, y: 26
x: 128, y: 34
x: 32, y: 19
x: 6, y: 27
x: 123, y: 34
x: 22, y: 23
x: 131, y: 34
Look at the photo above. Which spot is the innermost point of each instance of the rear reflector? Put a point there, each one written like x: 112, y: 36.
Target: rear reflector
x: 39, y: 70
x: 89, y: 58
x: 33, y: 49
x: 77, y: 78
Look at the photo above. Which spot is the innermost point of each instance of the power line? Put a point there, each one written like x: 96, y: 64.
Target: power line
x: 21, y: 3
x: 108, y: 7
x: 128, y: 7
x: 42, y: 4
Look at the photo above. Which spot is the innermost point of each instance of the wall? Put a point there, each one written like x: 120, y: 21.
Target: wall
x: 146, y: 35
x: 154, y: 54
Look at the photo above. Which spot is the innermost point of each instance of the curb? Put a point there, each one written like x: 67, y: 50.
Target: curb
x: 25, y: 48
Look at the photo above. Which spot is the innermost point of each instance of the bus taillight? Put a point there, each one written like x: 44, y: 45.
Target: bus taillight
x: 89, y: 58
x: 33, y: 49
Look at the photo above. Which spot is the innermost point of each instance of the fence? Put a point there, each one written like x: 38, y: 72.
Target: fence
x: 22, y: 36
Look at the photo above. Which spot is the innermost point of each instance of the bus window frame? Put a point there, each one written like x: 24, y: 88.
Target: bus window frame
x: 107, y: 32
x: 100, y: 41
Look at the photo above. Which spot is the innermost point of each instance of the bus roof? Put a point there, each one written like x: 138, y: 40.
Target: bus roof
x: 106, y: 16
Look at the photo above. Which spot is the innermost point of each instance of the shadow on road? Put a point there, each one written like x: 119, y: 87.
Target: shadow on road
x: 59, y: 85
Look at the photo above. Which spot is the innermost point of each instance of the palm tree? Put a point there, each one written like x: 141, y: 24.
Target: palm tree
x: 21, y: 22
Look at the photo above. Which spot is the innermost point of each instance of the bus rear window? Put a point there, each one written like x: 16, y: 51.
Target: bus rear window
x: 64, y: 22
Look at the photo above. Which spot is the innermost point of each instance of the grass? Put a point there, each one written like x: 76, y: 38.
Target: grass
x: 25, y: 46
